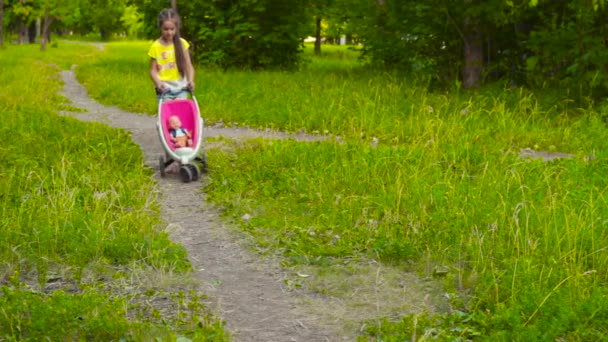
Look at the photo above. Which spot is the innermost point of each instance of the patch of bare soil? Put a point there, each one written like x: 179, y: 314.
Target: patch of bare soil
x: 544, y: 155
x: 259, y: 300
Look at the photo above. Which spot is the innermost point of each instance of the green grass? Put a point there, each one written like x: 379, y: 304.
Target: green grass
x: 523, y: 239
x: 76, y: 206
x: 338, y: 97
x: 521, y: 245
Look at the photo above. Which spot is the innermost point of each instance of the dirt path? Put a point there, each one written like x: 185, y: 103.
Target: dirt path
x: 249, y: 295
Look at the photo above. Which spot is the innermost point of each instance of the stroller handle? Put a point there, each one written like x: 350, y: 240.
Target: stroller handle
x: 161, y: 94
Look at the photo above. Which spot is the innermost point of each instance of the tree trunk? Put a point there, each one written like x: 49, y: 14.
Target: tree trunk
x: 174, y: 5
x: 318, y: 36
x: 21, y: 31
x: 22, y: 27
x: 31, y: 33
x: 45, y: 29
x: 473, y: 53
x: 1, y: 22
x: 380, y: 6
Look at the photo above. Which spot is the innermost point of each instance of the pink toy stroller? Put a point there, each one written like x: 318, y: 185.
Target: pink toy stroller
x: 188, y: 112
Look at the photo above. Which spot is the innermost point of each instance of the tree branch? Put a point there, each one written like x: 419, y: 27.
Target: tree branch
x: 466, y: 43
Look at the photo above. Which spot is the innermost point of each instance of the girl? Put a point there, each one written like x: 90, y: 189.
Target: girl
x: 171, y: 69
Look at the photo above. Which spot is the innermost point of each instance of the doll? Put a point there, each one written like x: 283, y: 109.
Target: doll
x: 179, y: 135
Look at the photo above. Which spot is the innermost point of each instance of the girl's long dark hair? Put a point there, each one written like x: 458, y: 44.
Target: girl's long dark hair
x: 180, y: 58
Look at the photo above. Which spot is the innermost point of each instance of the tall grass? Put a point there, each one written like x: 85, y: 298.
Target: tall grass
x: 73, y: 192
x: 524, y: 241
x: 424, y: 178
x: 328, y: 95
x: 75, y: 199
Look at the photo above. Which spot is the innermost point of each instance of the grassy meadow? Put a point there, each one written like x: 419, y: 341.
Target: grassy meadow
x: 430, y: 181
x: 427, y: 181
x: 79, y: 221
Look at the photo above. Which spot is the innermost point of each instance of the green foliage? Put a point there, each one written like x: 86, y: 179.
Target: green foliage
x: 524, y: 238
x: 522, y: 241
x: 76, y: 200
x: 94, y: 315
x: 106, y: 16
x: 251, y: 34
x: 553, y: 43
x: 132, y: 21
x: 564, y: 320
x: 534, y: 43
x: 56, y: 199
x: 568, y: 49
x: 257, y: 34
x: 127, y: 61
x: 80, y: 16
x: 38, y: 316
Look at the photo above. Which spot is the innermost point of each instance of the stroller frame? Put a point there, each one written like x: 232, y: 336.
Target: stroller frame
x: 188, y: 112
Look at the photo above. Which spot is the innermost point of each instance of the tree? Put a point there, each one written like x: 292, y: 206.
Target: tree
x: 106, y: 16
x: 320, y: 9
x: 442, y: 39
x: 566, y: 45
x: 51, y: 10
x: 473, y: 52
x: 524, y: 40
x: 132, y: 21
x: 249, y: 33
x: 1, y: 22
x: 23, y: 11
x: 46, y: 24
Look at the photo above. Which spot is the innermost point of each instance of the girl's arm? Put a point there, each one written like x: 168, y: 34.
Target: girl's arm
x: 189, y: 69
x: 154, y: 74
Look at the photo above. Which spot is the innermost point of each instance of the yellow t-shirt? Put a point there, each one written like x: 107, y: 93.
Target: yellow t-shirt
x: 165, y: 57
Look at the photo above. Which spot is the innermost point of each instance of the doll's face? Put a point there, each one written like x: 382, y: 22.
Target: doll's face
x: 175, y: 122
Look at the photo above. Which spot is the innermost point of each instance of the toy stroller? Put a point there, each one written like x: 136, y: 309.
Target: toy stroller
x: 182, y: 137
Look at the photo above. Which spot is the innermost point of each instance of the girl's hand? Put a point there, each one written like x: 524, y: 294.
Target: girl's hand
x: 191, y: 85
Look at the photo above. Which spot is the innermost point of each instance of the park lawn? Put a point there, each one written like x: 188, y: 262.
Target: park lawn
x: 428, y: 179
x: 79, y: 220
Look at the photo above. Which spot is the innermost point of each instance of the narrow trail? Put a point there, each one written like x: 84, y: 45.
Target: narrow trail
x: 248, y: 294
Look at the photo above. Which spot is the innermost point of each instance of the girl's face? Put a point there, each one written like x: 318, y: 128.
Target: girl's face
x: 168, y: 30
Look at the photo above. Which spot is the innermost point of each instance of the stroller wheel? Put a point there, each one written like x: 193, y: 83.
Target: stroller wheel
x: 203, y: 160
x: 196, y: 173
x: 161, y: 164
x: 186, y: 173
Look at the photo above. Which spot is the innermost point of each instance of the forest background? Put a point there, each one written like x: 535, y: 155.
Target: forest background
x: 459, y: 43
